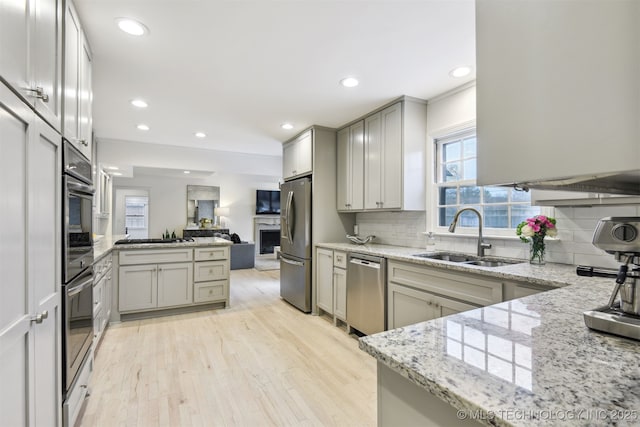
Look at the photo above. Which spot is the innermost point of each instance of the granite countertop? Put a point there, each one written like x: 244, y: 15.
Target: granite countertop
x: 529, y: 361
x: 106, y: 244
x: 550, y: 275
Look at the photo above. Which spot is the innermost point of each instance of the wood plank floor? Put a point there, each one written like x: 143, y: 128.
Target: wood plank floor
x: 260, y: 362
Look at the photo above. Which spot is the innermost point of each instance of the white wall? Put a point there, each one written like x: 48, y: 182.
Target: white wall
x: 238, y: 175
x: 168, y: 200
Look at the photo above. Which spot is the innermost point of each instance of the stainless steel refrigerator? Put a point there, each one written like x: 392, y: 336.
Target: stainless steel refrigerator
x: 295, y: 243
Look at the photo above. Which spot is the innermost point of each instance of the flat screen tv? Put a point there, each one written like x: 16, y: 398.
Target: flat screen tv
x: 267, y: 202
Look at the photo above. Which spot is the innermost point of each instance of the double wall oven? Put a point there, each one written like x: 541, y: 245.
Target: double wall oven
x: 77, y: 270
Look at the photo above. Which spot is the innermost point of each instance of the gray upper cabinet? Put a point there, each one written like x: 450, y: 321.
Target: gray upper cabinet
x: 31, y: 54
x: 558, y: 94
x: 78, y: 95
x: 350, y: 168
x: 297, y: 156
x: 391, y: 174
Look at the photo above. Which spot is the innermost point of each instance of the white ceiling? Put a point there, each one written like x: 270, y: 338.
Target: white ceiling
x: 237, y: 69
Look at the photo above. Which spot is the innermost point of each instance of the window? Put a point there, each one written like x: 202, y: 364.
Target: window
x: 502, y: 208
x: 136, y: 216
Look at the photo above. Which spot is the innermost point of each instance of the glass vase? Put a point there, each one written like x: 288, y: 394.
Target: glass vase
x: 536, y: 251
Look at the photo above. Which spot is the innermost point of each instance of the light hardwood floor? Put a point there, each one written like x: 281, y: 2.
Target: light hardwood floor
x: 260, y: 362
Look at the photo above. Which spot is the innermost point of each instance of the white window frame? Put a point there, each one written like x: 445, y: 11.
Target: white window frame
x: 433, y: 187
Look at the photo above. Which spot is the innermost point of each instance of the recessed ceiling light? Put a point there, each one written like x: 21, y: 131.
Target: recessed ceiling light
x: 200, y: 134
x: 116, y: 174
x: 349, y: 82
x: 131, y: 26
x: 460, y: 71
x: 286, y: 126
x: 143, y: 127
x: 139, y: 103
x: 187, y: 172
x: 113, y: 168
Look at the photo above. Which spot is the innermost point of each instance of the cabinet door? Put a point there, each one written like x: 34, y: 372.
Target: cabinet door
x: 553, y: 107
x: 98, y: 298
x: 85, y: 98
x: 391, y: 155
x: 46, y: 60
x: 14, y: 43
x: 340, y: 293
x: 138, y: 287
x: 343, y: 172
x: 30, y: 357
x: 408, y: 306
x: 175, y: 284
x: 108, y: 295
x: 289, y: 160
x: 305, y: 153
x: 71, y: 82
x: 324, y: 279
x: 372, y: 161
x: 446, y: 306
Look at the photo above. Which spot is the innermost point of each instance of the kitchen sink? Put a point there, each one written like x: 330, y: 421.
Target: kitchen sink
x: 467, y: 259
x: 445, y: 256
x: 484, y: 263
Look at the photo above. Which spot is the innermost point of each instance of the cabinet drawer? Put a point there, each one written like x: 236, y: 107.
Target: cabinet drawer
x: 211, y: 254
x: 210, y: 291
x: 340, y: 259
x: 461, y: 286
x: 210, y: 270
x: 73, y: 404
x: 155, y: 256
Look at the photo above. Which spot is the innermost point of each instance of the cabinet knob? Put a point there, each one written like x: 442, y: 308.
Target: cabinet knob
x: 38, y: 318
x: 39, y: 93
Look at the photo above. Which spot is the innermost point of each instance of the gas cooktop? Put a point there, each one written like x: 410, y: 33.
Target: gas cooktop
x: 140, y: 241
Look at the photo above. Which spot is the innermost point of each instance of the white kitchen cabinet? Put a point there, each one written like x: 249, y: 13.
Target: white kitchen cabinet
x: 78, y: 97
x: 101, y: 298
x: 340, y: 293
x: 513, y: 290
x: 297, y: 156
x: 138, y: 286
x: 393, y: 174
x: 558, y: 103
x: 150, y: 286
x: 30, y: 56
x: 407, y: 306
x: 175, y: 284
x: 350, y: 168
x: 211, y: 275
x: 30, y: 306
x: 416, y: 293
x: 324, y: 279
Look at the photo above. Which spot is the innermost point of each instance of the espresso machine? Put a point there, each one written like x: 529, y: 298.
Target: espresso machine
x: 620, y: 237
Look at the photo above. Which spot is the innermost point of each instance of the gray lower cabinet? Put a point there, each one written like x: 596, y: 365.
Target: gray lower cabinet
x: 340, y: 293
x: 151, y: 286
x: 417, y: 293
x: 211, y: 275
x: 408, y: 306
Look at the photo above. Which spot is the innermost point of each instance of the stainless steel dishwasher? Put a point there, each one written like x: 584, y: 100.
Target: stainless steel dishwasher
x: 366, y: 293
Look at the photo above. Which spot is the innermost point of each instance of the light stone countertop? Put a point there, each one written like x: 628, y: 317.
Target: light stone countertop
x: 106, y: 244
x: 530, y: 361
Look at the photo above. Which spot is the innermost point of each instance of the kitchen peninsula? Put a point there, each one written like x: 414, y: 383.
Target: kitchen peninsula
x: 153, y: 279
x: 529, y: 361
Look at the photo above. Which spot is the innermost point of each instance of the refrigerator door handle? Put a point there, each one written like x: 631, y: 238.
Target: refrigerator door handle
x: 290, y: 261
x: 288, y: 222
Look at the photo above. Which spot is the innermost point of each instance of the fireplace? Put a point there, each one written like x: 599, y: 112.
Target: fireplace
x: 266, y: 234
x: 268, y: 240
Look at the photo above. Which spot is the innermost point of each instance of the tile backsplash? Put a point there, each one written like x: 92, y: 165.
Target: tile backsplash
x: 573, y: 245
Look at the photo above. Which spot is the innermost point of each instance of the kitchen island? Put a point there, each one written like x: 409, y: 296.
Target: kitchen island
x: 529, y: 361
x: 152, y: 279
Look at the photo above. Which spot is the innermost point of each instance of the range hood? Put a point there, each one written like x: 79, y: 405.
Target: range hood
x: 625, y: 183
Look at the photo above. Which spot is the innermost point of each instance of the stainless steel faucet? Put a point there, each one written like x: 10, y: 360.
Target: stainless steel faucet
x: 481, y: 245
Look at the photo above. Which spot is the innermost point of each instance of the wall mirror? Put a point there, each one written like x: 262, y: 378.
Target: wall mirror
x: 201, y: 201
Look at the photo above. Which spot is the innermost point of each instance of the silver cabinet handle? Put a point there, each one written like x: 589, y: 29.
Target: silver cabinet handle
x: 39, y: 93
x: 38, y: 318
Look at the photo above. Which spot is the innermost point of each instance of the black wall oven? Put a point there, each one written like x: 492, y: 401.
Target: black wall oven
x: 77, y: 259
